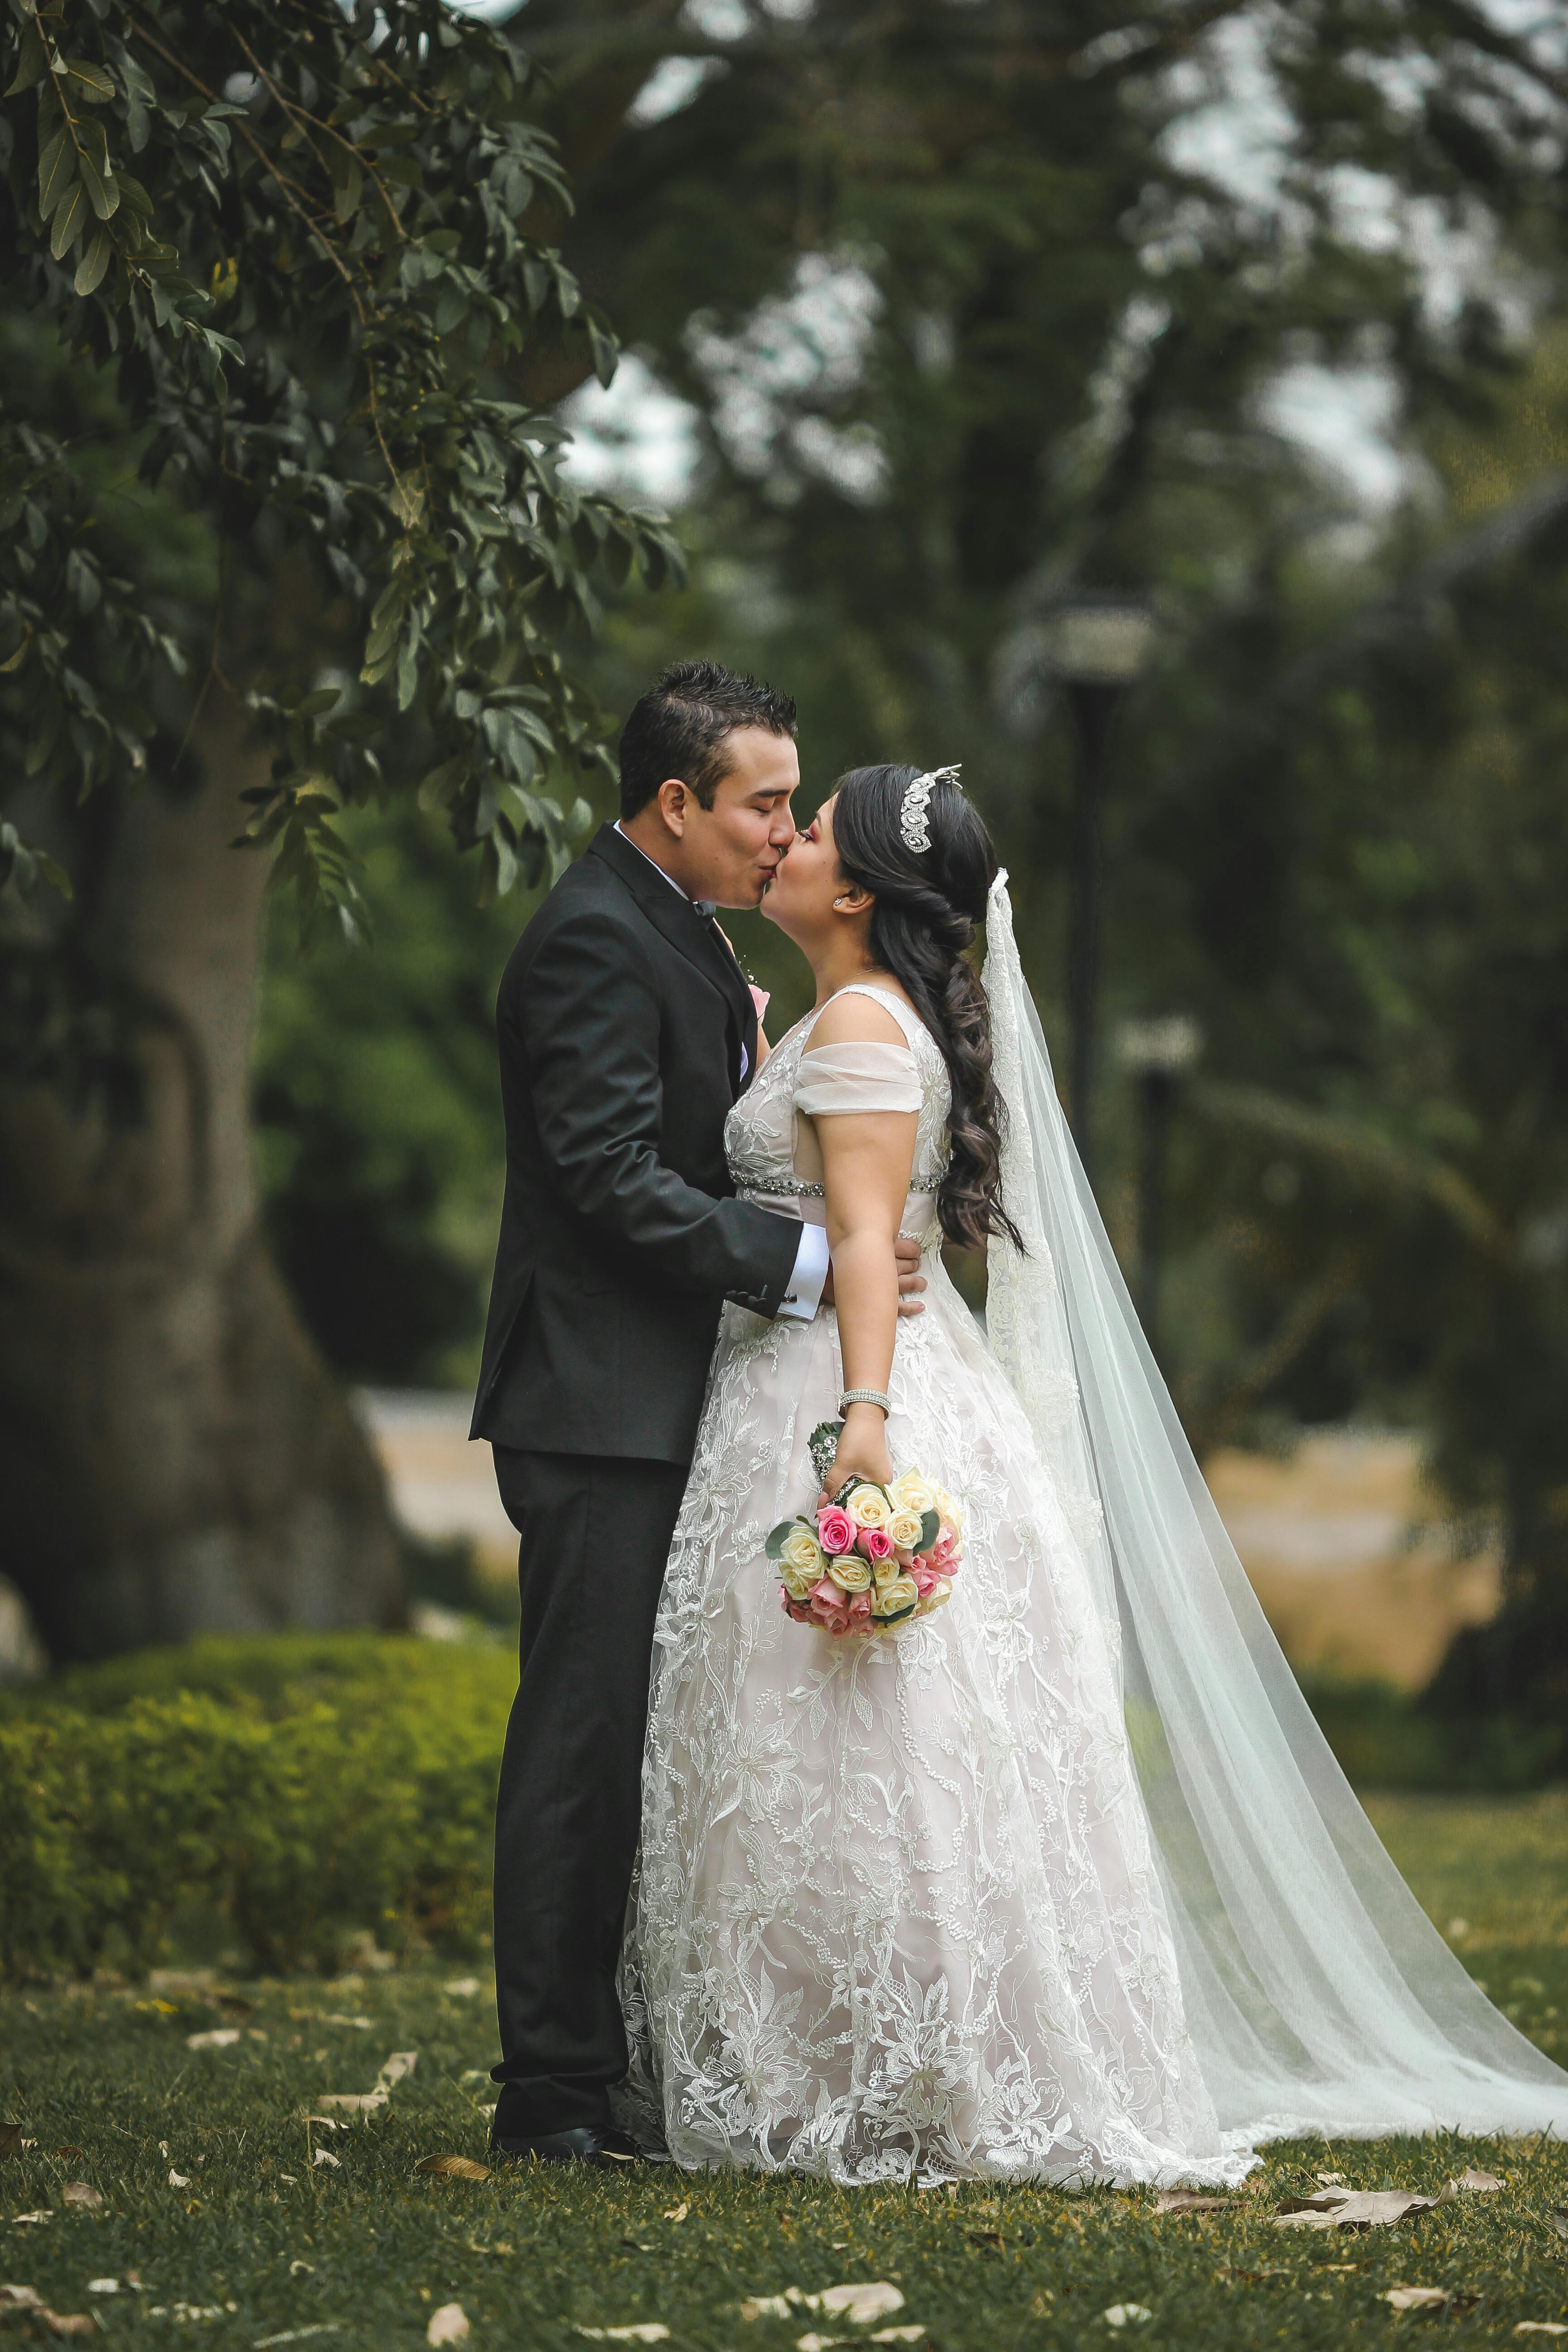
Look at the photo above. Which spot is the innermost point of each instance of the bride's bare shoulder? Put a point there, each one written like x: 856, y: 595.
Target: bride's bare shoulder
x: 852, y: 1018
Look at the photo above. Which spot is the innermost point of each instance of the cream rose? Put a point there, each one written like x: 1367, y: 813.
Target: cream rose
x: 885, y: 1571
x: 950, y: 1510
x: 850, y: 1574
x: 798, y: 1583
x: 801, y: 1550
x: 869, y: 1508
x: 894, y: 1597
x: 913, y: 1493
x: 904, y: 1527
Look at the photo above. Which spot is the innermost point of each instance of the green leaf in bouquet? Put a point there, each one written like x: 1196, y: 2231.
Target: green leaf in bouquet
x: 822, y: 1445
x: 931, y: 1527
x: 778, y: 1537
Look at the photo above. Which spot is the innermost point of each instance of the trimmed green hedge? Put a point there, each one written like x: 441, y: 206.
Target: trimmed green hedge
x: 299, y: 1788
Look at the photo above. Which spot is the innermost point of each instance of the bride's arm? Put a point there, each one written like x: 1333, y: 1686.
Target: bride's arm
x: 866, y: 1160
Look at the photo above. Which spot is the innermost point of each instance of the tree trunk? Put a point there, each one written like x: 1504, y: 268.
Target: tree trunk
x: 174, y: 1458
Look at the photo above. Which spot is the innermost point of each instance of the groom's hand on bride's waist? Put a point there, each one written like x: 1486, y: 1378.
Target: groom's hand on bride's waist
x: 911, y: 1281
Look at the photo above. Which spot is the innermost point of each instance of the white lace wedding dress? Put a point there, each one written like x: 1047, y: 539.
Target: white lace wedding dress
x: 896, y: 1911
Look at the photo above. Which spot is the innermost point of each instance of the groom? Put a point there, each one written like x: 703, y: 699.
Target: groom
x: 626, y: 1032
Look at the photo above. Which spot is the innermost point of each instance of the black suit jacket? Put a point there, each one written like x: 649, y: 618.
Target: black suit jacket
x: 620, y: 1019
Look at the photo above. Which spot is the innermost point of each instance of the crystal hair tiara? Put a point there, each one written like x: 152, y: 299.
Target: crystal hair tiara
x: 912, y: 815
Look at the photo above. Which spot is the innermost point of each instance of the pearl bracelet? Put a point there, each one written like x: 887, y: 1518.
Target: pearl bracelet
x: 866, y: 1396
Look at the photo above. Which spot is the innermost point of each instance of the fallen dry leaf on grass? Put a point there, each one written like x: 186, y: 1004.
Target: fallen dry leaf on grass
x: 103, y: 2286
x: 1542, y: 2327
x: 298, y: 2334
x: 1187, y: 2201
x: 20, y: 2298
x: 81, y: 2192
x: 177, y: 2179
x: 454, y: 2167
x: 221, y: 2037
x: 815, y: 2343
x: 911, y: 2334
x: 461, y: 1988
x: 861, y: 2300
x: 1485, y: 2184
x: 1558, y: 2216
x: 324, y: 2156
x: 1356, y: 2208
x: 677, y: 2212
x: 21, y: 2219
x: 70, y: 2322
x: 1415, y: 2298
x: 1331, y: 2179
x: 641, y: 2331
x: 401, y: 2063
x: 350, y: 2102
x: 1126, y: 2314
x: 447, y: 2326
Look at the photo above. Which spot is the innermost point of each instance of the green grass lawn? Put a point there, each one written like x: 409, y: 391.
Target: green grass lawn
x: 254, y: 2239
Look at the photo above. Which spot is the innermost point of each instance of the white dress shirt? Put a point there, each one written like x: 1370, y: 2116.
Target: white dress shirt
x: 812, y: 1257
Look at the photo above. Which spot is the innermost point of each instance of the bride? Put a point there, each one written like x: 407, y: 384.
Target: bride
x: 1061, y: 1881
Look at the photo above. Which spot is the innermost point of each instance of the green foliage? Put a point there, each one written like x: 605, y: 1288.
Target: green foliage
x: 298, y: 241
x: 304, y: 1787
x: 377, y: 1113
x: 1384, y: 1738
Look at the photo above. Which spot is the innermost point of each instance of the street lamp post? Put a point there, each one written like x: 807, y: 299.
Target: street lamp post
x: 1159, y: 1054
x: 1098, y: 647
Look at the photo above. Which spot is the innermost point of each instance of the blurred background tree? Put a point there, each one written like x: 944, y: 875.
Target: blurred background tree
x: 939, y: 314
x: 276, y: 532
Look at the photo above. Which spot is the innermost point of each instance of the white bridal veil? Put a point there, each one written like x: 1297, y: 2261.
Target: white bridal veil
x: 1318, y: 1995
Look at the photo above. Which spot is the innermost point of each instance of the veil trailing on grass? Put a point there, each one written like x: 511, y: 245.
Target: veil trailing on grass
x: 1320, y: 1997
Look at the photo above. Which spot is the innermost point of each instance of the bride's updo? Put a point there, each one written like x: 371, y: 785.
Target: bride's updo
x: 928, y: 903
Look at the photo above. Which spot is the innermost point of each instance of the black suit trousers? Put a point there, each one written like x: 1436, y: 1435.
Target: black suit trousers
x: 596, y: 1533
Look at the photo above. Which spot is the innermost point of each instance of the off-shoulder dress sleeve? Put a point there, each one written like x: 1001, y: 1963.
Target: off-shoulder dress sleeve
x: 858, y: 1076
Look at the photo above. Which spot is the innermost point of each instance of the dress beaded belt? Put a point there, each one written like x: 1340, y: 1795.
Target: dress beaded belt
x: 788, y: 1185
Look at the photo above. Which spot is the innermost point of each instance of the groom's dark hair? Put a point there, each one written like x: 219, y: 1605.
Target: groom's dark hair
x: 679, y: 727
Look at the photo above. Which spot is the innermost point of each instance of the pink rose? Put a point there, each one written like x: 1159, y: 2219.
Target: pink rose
x: 760, y: 998
x: 876, y: 1543
x: 860, y: 1608
x: 828, y: 1607
x: 924, y: 1577
x: 835, y: 1530
x: 944, y: 1548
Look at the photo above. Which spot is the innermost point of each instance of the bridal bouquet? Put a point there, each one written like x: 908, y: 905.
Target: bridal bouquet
x: 876, y: 1556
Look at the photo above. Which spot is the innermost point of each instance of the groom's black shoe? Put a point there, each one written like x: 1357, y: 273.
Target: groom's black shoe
x: 584, y: 2144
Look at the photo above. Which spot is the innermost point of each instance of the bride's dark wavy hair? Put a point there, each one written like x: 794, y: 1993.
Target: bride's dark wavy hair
x: 928, y: 903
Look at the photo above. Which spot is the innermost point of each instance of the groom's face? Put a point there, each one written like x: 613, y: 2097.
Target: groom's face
x: 730, y: 851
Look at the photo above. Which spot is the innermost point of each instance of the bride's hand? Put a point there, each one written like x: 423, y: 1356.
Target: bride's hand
x: 862, y: 1452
